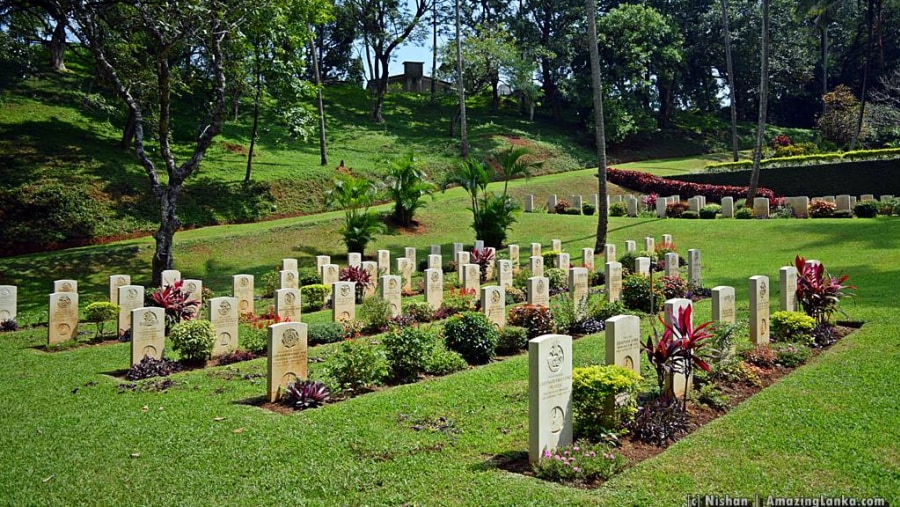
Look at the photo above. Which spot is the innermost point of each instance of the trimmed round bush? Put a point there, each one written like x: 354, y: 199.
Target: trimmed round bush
x: 820, y: 208
x: 472, y: 335
x: 324, y: 332
x: 512, y: 339
x: 313, y: 296
x: 618, y: 209
x: 692, y: 215
x: 636, y: 293
x: 193, y: 339
x: 865, y: 209
x: 604, y: 398
x: 420, y: 311
x: 792, y: 327
x: 558, y: 278
x: 588, y: 209
x: 710, y: 211
x: 408, y: 351
x: 538, y: 320
x: 743, y: 214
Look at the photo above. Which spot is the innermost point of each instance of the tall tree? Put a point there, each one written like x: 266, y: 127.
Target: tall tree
x: 599, y: 128
x: 48, y: 16
x: 164, y: 33
x: 763, y: 104
x: 460, y: 85
x: 323, y: 149
x: 732, y: 94
x: 386, y: 25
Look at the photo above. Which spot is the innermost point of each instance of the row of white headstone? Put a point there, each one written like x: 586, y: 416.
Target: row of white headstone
x: 575, y: 201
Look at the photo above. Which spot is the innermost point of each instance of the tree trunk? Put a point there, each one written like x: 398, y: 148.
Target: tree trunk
x: 870, y: 22
x: 254, y: 130
x: 460, y: 85
x: 824, y: 43
x: 128, y: 131
x: 599, y: 127
x: 729, y: 68
x: 162, y: 256
x: 434, y: 48
x: 763, y: 105
x: 323, y: 151
x: 58, y: 46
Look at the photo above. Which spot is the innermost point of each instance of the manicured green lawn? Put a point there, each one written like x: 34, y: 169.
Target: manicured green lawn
x: 831, y: 428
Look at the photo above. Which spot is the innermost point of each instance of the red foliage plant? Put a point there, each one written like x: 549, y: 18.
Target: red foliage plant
x: 647, y: 183
x: 818, y: 292
x: 676, y: 351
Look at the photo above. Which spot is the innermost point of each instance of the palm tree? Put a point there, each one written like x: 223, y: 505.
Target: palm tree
x: 599, y: 128
x: 514, y: 162
x: 406, y: 185
x: 763, y: 104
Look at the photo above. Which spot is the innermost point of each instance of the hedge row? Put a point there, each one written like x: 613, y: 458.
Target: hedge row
x: 648, y: 183
x: 799, y: 160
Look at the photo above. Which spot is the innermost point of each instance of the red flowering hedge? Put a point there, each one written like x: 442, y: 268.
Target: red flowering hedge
x: 647, y: 183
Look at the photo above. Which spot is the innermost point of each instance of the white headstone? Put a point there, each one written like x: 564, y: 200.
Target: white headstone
x: 761, y: 207
x: 538, y: 291
x: 354, y: 259
x: 405, y: 269
x: 289, y: 264
x: 458, y: 247
x: 667, y: 241
x: 867, y: 197
x: 391, y: 288
x: 472, y: 278
x: 759, y: 310
x: 673, y: 307
x: 594, y: 200
x: 434, y: 288
x: 695, y: 278
x: 287, y: 355
x: 536, y: 265
x: 800, y: 205
x: 842, y: 202
x: 728, y: 207
x: 694, y: 204
x: 8, y: 302
x: 642, y: 266
x: 435, y: 262
x: 343, y: 301
x: 613, y: 281
x: 623, y: 342
x: 372, y: 268
x: 556, y: 245
x: 331, y: 274
x: 577, y: 202
x: 535, y: 250
x: 563, y: 261
x: 65, y: 286
x: 609, y: 252
x: 549, y: 394
x: 435, y: 250
x: 288, y: 304
x: 242, y: 289
x: 130, y: 298
x: 148, y: 333
x: 672, y: 264
x: 505, y: 273
x: 462, y: 258
x: 62, y: 324
x: 630, y: 246
x: 529, y: 203
x: 513, y: 251
x: 193, y: 289
x: 384, y: 262
x: 410, y: 253
x: 578, y: 291
x: 631, y: 206
x: 322, y: 260
x: 587, y: 258
x: 493, y: 304
x: 479, y: 244
x: 551, y: 203
x: 661, y: 207
x: 116, y: 281
x: 787, y: 285
x: 223, y: 315
x: 289, y: 279
x: 170, y: 276
x: 723, y: 304
x: 649, y: 244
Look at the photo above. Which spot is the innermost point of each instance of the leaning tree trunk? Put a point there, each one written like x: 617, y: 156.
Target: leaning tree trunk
x: 599, y: 127
x: 865, y: 82
x: 729, y: 68
x: 460, y: 85
x: 163, y: 257
x: 254, y: 130
x: 323, y: 151
x: 58, y: 46
x: 763, y: 104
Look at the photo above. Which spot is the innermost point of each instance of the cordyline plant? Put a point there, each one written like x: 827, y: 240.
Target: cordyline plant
x: 483, y: 257
x: 360, y: 276
x: 675, y: 353
x: 818, y: 292
x: 178, y: 304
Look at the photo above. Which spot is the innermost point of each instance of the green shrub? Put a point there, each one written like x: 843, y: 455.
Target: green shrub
x: 636, y: 293
x: 550, y: 257
x: 628, y: 260
x: 99, y: 313
x: 271, y: 281
x: 885, y: 208
x: 604, y: 398
x: 602, y: 310
x: 792, y: 327
x: 254, y: 339
x: 538, y: 320
x: 710, y: 211
x: 408, y: 350
x: 790, y: 355
x: 193, y: 339
x: 375, y: 314
x: 674, y: 287
x: 743, y: 214
x: 444, y: 361
x: 420, y: 311
x: 865, y: 209
x: 558, y: 279
x: 515, y: 295
x: 45, y: 212
x: 308, y: 276
x: 325, y: 332
x: 842, y: 214
x: 588, y: 209
x: 313, y: 296
x: 472, y: 335
x: 357, y: 366
x: 691, y: 215
x: 571, y: 211
x: 520, y: 279
x: 455, y: 302
x: 618, y: 209
x: 512, y: 339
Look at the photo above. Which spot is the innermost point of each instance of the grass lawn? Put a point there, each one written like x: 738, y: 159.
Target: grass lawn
x: 70, y: 437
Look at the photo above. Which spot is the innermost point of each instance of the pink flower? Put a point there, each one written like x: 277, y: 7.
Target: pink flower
x: 576, y: 469
x: 547, y: 453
